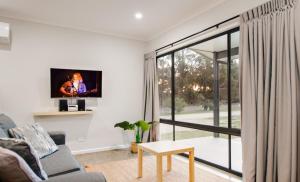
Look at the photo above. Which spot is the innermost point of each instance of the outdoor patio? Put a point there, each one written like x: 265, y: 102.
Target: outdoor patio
x: 207, y: 146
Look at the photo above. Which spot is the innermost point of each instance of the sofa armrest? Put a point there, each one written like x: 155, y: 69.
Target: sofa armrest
x: 59, y: 137
x: 78, y: 177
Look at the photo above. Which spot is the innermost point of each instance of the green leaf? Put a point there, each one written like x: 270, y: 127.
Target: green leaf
x: 125, y: 125
x: 143, y: 125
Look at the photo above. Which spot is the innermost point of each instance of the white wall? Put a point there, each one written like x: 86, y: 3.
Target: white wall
x: 227, y: 9
x: 25, y: 80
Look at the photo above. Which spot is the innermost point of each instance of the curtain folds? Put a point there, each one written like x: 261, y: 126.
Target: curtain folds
x: 269, y: 87
x: 151, y: 97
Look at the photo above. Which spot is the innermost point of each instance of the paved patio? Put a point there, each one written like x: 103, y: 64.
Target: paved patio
x: 215, y: 150
x: 210, y: 148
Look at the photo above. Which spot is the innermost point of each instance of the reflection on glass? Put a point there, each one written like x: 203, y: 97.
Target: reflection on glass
x: 201, y: 97
x: 201, y: 83
x: 223, y: 94
x: 235, y: 101
x: 193, y: 87
x: 166, y: 131
x: 207, y: 146
x: 164, y: 65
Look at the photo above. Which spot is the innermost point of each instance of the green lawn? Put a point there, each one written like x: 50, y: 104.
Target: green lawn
x: 208, y: 119
x: 193, y: 133
x: 189, y: 134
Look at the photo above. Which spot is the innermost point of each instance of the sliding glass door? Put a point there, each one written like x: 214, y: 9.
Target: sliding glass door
x: 199, y: 99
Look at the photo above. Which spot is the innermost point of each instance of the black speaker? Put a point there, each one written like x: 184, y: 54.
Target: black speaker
x: 63, y: 105
x: 81, y: 105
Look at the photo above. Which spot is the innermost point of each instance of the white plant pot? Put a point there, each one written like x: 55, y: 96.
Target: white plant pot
x: 128, y: 136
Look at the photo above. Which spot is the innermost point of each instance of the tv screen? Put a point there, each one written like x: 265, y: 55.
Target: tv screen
x: 75, y: 83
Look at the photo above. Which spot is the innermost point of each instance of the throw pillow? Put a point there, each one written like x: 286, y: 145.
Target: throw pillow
x: 25, y: 151
x: 14, y: 168
x: 37, y: 137
x: 3, y: 134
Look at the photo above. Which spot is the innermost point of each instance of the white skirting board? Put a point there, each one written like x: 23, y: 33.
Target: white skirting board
x: 93, y: 150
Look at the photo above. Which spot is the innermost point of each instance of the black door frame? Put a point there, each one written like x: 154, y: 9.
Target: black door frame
x: 215, y: 129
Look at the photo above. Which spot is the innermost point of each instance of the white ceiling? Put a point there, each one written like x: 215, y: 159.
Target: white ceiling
x: 114, y: 17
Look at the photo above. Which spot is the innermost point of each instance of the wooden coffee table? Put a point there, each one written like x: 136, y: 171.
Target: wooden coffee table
x: 165, y: 148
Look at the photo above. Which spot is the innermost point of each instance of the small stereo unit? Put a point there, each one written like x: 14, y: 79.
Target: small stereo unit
x: 64, y: 106
x: 72, y: 108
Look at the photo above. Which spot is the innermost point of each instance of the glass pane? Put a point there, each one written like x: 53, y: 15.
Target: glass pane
x: 196, y: 86
x: 166, y: 131
x: 236, y: 153
x: 164, y: 66
x: 223, y: 95
x: 208, y: 146
x: 235, y: 101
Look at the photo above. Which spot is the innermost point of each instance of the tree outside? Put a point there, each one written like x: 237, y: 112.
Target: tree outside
x: 194, y: 91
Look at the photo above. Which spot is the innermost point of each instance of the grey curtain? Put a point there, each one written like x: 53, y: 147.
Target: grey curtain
x: 269, y: 87
x: 151, y: 97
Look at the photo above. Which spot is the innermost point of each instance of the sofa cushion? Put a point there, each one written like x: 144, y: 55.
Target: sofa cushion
x: 60, y: 162
x: 79, y: 177
x: 25, y: 151
x: 14, y: 168
x: 6, y: 123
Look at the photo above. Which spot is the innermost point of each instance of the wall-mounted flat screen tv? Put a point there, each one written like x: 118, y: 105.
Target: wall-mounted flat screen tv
x: 75, y: 83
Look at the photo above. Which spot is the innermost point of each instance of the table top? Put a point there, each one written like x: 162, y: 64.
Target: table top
x: 166, y: 147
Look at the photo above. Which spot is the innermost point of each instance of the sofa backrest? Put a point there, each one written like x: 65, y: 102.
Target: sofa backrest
x: 6, y: 123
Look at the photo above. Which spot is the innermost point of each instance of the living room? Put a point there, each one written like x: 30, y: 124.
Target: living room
x: 143, y: 91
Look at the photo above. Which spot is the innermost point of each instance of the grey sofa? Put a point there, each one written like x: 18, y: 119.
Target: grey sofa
x: 61, y: 166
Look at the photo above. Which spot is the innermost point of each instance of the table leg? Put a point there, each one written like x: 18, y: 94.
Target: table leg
x: 159, y: 168
x: 140, y: 162
x: 169, y: 162
x: 191, y: 166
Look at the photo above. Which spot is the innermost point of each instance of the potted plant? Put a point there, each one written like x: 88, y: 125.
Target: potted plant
x: 139, y: 127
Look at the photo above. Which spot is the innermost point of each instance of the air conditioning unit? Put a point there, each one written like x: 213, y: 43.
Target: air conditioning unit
x: 4, y: 35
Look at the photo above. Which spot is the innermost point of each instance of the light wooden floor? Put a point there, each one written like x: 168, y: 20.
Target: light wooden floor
x: 113, y: 163
x: 105, y: 156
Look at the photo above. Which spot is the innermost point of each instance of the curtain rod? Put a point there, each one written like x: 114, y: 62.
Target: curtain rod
x: 216, y: 25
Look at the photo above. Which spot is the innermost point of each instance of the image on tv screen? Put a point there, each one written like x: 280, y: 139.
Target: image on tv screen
x: 75, y: 83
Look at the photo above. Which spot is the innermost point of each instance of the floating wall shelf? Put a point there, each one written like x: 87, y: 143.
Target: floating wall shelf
x: 64, y: 113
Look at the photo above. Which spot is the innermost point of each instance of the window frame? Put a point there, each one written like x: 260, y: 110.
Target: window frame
x: 216, y: 129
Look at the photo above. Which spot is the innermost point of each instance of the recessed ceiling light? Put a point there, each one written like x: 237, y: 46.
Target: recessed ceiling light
x: 138, y: 15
